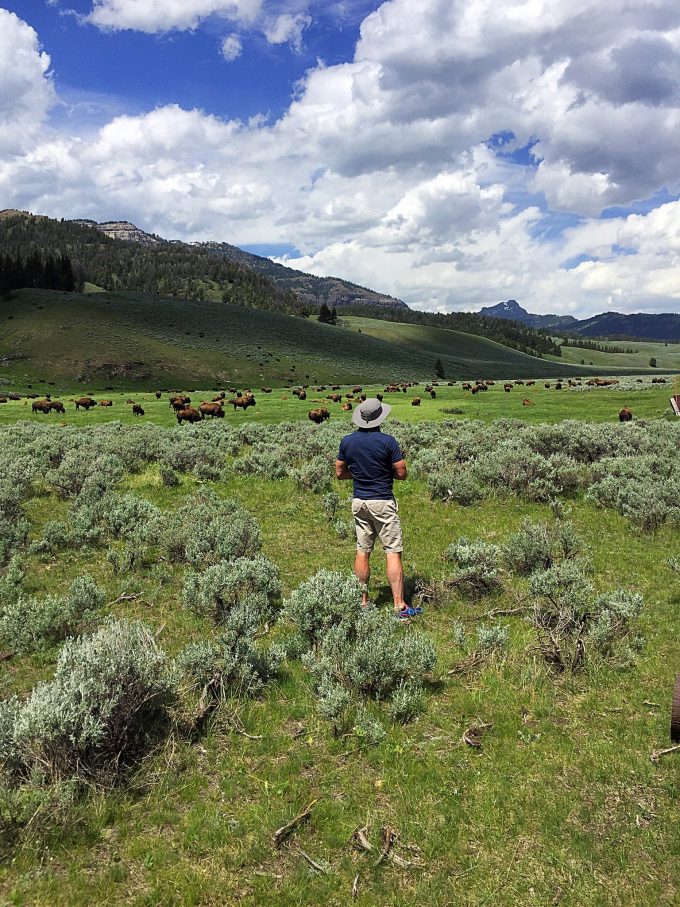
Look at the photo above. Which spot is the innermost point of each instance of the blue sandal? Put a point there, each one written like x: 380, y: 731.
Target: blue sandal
x: 407, y: 613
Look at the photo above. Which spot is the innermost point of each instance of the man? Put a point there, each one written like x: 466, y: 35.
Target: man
x: 373, y: 460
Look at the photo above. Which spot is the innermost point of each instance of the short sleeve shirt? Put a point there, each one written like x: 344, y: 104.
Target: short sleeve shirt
x: 370, y: 455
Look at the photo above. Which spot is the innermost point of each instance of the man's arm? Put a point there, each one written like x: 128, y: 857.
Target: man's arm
x: 399, y: 470
x: 341, y: 470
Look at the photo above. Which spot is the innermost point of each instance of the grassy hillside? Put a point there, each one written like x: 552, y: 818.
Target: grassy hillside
x: 128, y: 339
x: 667, y: 356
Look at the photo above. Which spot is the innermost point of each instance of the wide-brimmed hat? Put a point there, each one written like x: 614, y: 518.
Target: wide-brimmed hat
x: 370, y: 413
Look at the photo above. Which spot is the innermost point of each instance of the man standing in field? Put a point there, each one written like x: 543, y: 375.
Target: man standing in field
x: 373, y: 460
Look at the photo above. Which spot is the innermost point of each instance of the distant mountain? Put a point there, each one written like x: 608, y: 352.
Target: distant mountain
x: 308, y: 289
x: 607, y: 326
x: 640, y: 326
x: 513, y: 311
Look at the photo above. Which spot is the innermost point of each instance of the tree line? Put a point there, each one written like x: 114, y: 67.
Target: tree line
x: 49, y: 272
x: 582, y: 343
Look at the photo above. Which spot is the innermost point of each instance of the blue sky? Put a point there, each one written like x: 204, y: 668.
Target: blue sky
x: 431, y: 150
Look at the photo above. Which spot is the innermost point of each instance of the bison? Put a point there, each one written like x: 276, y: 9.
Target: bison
x: 179, y: 399
x: 212, y: 409
x: 85, y: 402
x: 106, y: 402
x: 137, y: 410
x: 625, y: 415
x: 242, y: 402
x: 527, y: 402
x: 507, y: 388
x: 188, y: 414
x: 319, y: 415
x: 57, y: 405
x: 415, y: 401
x: 40, y: 406
x: 346, y: 407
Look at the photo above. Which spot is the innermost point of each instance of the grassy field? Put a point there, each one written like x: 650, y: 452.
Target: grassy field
x: 647, y: 401
x: 119, y: 341
x: 559, y: 805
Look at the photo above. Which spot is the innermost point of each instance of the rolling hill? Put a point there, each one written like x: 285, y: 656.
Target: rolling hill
x: 132, y: 340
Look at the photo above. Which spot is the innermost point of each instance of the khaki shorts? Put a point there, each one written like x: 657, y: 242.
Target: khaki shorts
x: 379, y: 519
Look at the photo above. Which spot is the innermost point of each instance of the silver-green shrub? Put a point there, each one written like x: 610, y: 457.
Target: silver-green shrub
x: 477, y: 565
x: 537, y: 546
x: 325, y: 600
x: 110, y: 693
x: 219, y: 589
x: 28, y: 624
x: 207, y: 529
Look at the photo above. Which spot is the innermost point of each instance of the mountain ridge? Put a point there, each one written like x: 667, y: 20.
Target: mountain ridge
x: 659, y: 326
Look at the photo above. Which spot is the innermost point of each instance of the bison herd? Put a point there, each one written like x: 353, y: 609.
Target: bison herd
x: 184, y: 411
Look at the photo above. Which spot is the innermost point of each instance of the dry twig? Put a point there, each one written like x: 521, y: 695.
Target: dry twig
x: 657, y: 754
x: 474, y: 735
x: 282, y: 833
x: 317, y: 867
x: 360, y: 841
x: 355, y: 887
x: 389, y: 836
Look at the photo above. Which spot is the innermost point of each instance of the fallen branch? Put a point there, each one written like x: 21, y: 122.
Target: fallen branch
x: 282, y: 833
x: 6, y: 656
x: 317, y: 867
x: 474, y: 735
x: 504, y: 612
x: 355, y: 887
x: 468, y: 664
x: 657, y: 754
x: 389, y: 836
x: 125, y: 597
x: 360, y: 841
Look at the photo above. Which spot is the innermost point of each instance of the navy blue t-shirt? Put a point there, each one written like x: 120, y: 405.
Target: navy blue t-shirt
x: 370, y: 455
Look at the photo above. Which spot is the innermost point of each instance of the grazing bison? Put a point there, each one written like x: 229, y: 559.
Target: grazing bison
x: 507, y: 388
x: 319, y: 415
x: 242, y: 402
x: 379, y: 397
x: 335, y: 398
x: 266, y: 390
x: 415, y: 401
x: 85, y: 402
x: 219, y: 397
x: 3, y: 399
x: 558, y: 386
x: 212, y: 409
x: 346, y: 407
x: 527, y: 402
x: 625, y: 415
x: 137, y: 410
x: 106, y: 402
x: 356, y: 389
x: 40, y: 406
x: 530, y: 383
x: 57, y: 405
x: 179, y: 399
x: 158, y: 395
x: 467, y: 386
x: 547, y: 386
x: 188, y: 414
x: 433, y: 394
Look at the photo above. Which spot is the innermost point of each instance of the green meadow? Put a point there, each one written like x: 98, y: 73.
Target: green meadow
x: 555, y: 802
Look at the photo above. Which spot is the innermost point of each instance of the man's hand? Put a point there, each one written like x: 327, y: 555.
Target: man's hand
x: 399, y: 470
x: 341, y: 470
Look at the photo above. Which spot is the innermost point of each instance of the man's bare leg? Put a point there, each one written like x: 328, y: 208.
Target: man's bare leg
x: 362, y: 571
x: 395, y: 577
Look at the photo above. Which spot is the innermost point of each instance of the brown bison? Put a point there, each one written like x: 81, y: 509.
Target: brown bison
x: 507, y: 388
x: 266, y: 390
x: 212, y: 409
x: 335, y: 398
x: 3, y: 399
x: 106, y: 402
x: 219, y: 397
x: 625, y: 415
x: 179, y: 399
x: 40, y: 406
x: 242, y: 402
x: 319, y: 415
x: 85, y: 402
x: 528, y: 402
x: 356, y: 389
x: 57, y: 405
x: 415, y: 401
x: 188, y: 414
x: 158, y: 395
x: 137, y: 410
x: 346, y: 407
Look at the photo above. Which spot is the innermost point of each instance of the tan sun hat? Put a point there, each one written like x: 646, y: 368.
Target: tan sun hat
x: 370, y: 413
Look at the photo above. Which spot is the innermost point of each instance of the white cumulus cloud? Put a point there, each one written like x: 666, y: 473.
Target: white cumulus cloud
x: 232, y: 47
x: 287, y: 29
x: 155, y: 16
